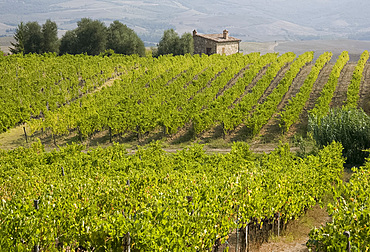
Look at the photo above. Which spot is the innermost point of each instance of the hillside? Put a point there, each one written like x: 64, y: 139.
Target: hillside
x: 266, y: 20
x: 224, y: 81
x: 50, y: 102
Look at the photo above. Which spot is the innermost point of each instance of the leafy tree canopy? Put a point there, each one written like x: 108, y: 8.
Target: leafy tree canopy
x: 124, y: 40
x: 32, y: 38
x: 50, y: 37
x: 18, y: 46
x: 91, y: 36
x: 68, y: 43
x: 171, y: 43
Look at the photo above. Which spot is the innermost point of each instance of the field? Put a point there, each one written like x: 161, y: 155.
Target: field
x: 152, y: 117
x: 265, y: 140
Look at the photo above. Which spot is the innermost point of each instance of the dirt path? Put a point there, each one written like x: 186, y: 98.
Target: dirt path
x: 322, y: 79
x: 295, y: 236
x: 340, y: 94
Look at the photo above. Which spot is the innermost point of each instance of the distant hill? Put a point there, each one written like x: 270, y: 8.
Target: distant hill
x: 5, y: 43
x: 254, y: 20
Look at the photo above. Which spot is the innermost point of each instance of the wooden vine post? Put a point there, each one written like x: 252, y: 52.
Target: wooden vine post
x: 348, y: 234
x: 25, y: 134
x: 127, y: 243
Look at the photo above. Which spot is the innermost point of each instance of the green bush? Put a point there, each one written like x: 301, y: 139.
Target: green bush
x: 349, y: 126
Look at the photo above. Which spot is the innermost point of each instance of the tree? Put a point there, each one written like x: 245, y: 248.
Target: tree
x: 68, y: 43
x: 91, y: 36
x: 33, y: 38
x: 124, y: 40
x: 50, y: 37
x: 18, y: 46
x: 187, y: 43
x: 169, y: 43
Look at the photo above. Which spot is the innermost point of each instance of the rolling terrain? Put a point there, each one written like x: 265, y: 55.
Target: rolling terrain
x: 266, y: 20
x: 267, y: 137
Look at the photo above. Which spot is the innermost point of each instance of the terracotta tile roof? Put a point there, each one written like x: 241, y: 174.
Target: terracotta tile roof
x: 218, y: 38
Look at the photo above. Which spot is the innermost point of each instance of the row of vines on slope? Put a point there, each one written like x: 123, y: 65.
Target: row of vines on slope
x: 31, y: 85
x: 136, y: 105
x: 164, y: 93
x: 242, y: 109
x: 293, y: 109
x: 354, y: 87
x: 322, y: 104
x: 265, y: 110
x: 350, y: 213
x: 171, y: 202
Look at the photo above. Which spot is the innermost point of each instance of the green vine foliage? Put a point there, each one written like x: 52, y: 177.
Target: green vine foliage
x: 168, y: 202
x: 350, y: 212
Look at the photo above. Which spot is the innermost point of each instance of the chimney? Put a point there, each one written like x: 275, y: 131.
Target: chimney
x: 194, y: 33
x: 226, y: 34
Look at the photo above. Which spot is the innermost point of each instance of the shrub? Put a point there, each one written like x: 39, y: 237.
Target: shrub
x: 349, y: 126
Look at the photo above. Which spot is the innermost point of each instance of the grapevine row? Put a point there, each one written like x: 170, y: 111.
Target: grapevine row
x: 235, y: 116
x: 33, y: 84
x: 291, y: 112
x: 217, y: 108
x: 322, y: 104
x: 264, y: 111
x: 173, y: 202
x: 350, y: 213
x: 354, y: 86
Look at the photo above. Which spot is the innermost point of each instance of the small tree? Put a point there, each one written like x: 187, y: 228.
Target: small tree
x: 169, y: 43
x: 68, y: 43
x: 18, y: 46
x: 33, y: 38
x: 50, y: 37
x: 187, y: 43
x: 124, y: 40
x: 91, y: 36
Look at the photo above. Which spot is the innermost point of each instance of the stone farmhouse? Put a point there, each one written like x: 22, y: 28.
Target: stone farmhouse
x: 215, y: 43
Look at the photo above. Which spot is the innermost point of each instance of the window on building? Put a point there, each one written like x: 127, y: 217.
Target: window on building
x: 208, y: 51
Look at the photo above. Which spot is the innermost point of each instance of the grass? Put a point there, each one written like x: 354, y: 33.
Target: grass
x: 15, y: 138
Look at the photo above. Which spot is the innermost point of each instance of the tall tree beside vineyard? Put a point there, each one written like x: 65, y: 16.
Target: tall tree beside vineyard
x: 89, y: 37
x: 50, y: 37
x: 171, y: 43
x: 68, y: 43
x: 124, y: 40
x: 187, y: 43
x: 18, y: 46
x: 32, y: 38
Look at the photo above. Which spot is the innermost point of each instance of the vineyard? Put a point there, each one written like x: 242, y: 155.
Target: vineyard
x: 151, y: 98
x: 106, y: 199
x: 188, y: 201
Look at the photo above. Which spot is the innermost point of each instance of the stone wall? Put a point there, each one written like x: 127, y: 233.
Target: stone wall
x: 228, y: 48
x: 201, y: 44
